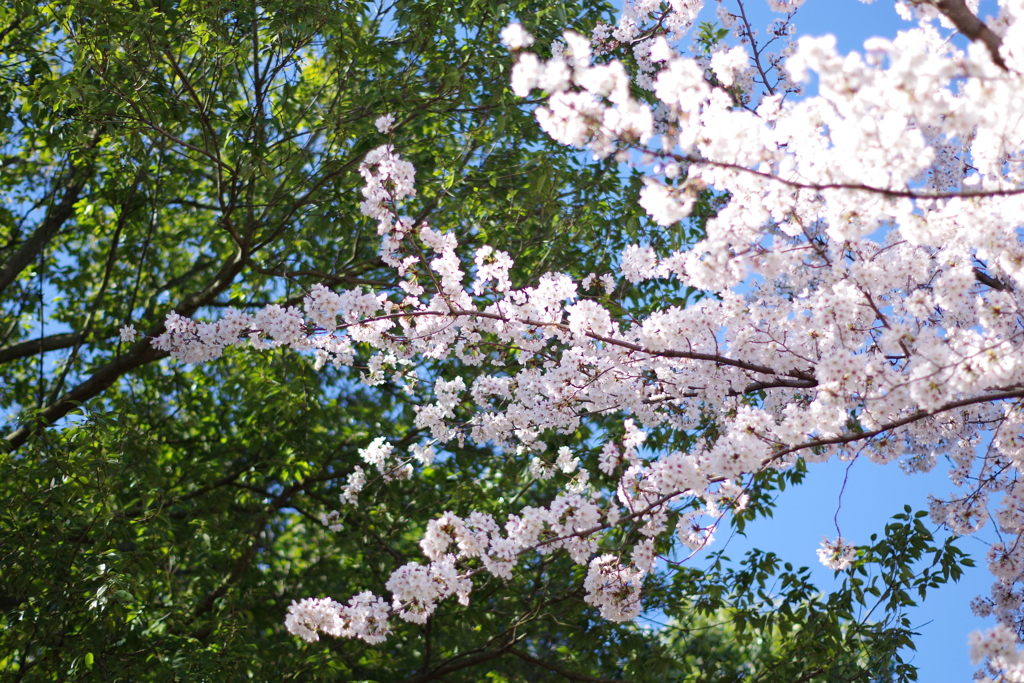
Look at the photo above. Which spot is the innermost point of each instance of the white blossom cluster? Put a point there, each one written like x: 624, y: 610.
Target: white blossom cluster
x: 997, y: 647
x: 868, y: 273
x: 364, y: 617
x: 417, y: 589
x: 380, y: 454
x: 614, y: 589
x: 569, y: 523
x: 838, y: 554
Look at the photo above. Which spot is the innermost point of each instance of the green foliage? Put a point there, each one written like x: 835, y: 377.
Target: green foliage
x: 763, y: 620
x: 709, y: 34
x: 181, y: 156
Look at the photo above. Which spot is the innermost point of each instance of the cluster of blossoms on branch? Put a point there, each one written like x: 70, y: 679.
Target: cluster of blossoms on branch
x: 865, y: 276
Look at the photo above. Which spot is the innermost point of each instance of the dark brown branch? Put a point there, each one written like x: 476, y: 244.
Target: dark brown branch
x: 895, y: 424
x: 986, y: 279
x: 451, y: 667
x: 861, y: 187
x: 34, y: 346
x: 563, y: 672
x: 55, y: 218
x: 127, y: 207
x: 141, y: 352
x: 10, y: 28
x: 780, y: 383
x: 198, y: 267
x: 972, y: 27
x: 779, y: 454
x: 663, y: 353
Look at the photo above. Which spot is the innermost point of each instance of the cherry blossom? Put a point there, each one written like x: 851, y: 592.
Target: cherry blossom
x: 837, y: 554
x: 864, y: 278
x: 515, y: 37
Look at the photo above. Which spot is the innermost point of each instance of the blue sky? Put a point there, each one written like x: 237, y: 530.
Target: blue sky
x: 873, y: 493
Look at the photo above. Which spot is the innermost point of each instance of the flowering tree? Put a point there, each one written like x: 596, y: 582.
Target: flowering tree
x: 181, y: 157
x: 861, y: 274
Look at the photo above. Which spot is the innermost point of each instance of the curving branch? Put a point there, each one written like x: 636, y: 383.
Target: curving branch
x: 561, y: 671
x: 895, y: 424
x: 855, y: 187
x: 452, y: 666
